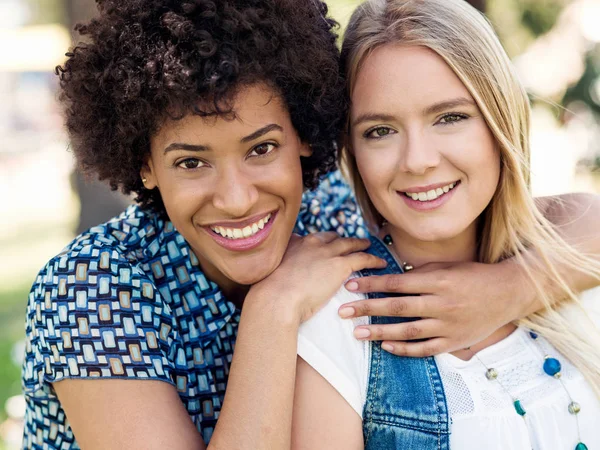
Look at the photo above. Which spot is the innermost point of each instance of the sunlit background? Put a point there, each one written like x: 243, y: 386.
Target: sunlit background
x: 555, y: 45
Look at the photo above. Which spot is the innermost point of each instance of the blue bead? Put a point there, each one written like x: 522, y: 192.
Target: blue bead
x: 581, y: 446
x: 387, y: 239
x: 552, y: 366
x: 533, y: 335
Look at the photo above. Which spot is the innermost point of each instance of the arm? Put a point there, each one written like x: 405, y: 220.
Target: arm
x: 465, y: 302
x: 322, y: 419
x: 132, y: 414
x: 257, y: 411
x: 576, y: 217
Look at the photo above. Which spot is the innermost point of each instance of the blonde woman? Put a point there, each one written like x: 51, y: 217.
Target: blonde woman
x: 438, y: 154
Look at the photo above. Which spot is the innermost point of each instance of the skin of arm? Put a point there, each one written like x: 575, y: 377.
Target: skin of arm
x: 466, y: 302
x: 322, y: 419
x: 576, y: 217
x: 135, y: 414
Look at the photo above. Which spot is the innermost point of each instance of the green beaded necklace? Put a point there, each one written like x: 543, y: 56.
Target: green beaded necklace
x: 551, y: 367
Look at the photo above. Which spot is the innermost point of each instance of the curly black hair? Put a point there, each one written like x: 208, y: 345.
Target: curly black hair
x: 147, y: 60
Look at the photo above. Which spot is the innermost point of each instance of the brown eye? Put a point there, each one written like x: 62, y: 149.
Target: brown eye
x: 262, y: 149
x: 190, y: 164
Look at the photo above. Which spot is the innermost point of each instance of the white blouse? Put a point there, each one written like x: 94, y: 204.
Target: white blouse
x: 481, y: 411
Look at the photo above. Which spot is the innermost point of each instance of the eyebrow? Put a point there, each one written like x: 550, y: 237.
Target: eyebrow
x: 448, y: 104
x: 261, y: 132
x: 191, y: 147
x: 372, y: 117
x: 203, y: 148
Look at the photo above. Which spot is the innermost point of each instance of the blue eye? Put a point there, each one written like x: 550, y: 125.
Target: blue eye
x: 263, y: 149
x: 448, y: 119
x: 378, y: 132
x: 190, y: 164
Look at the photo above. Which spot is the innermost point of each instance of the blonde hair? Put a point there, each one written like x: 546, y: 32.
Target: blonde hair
x: 511, y: 224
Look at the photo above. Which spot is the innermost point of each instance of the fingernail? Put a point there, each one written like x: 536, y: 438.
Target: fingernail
x: 352, y: 286
x: 361, y: 333
x: 346, y: 312
x: 387, y: 347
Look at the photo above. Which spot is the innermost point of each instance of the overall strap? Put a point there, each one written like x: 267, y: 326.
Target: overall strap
x: 405, y: 405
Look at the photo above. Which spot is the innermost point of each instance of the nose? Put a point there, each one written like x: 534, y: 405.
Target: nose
x: 235, y: 192
x: 419, y: 153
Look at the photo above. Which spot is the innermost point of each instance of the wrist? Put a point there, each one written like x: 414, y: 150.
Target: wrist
x: 522, y: 296
x: 268, y: 304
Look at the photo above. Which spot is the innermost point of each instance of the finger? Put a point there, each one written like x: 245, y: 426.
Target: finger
x: 345, y: 246
x: 407, y: 331
x: 323, y: 236
x: 360, y: 260
x: 404, y: 283
x: 407, y: 306
x: 430, y: 347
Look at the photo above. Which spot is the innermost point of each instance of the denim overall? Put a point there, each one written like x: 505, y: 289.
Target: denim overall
x: 406, y: 406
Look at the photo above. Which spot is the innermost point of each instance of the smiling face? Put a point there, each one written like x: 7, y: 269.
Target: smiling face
x: 427, y: 159
x: 232, y: 187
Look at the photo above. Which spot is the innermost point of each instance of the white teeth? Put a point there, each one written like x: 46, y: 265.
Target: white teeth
x: 237, y: 233
x: 430, y: 195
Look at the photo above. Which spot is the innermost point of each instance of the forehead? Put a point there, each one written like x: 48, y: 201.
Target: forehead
x: 406, y: 77
x: 252, y: 108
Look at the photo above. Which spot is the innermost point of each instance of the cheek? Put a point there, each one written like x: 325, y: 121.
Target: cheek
x: 488, y: 162
x: 376, y: 168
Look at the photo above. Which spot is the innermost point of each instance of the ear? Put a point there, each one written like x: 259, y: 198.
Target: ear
x: 306, y: 150
x: 148, y: 175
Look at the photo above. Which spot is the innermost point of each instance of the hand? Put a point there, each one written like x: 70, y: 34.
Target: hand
x: 313, y: 268
x: 459, y: 304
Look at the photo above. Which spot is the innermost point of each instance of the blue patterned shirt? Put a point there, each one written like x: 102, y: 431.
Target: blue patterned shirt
x: 127, y: 299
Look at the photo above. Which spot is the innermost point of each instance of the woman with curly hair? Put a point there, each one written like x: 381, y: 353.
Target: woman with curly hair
x: 216, y: 116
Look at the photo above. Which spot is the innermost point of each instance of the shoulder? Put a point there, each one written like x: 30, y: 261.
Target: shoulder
x: 96, y: 309
x: 331, y: 207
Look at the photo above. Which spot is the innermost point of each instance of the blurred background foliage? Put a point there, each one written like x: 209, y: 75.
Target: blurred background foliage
x: 554, y: 44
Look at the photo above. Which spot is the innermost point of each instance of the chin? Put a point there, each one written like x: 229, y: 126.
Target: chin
x: 433, y: 234
x: 254, y: 275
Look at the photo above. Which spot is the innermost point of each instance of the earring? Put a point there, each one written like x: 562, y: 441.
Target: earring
x: 144, y: 180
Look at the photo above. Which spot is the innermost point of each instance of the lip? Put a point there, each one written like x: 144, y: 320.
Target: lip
x: 244, y: 244
x: 431, y: 204
x: 242, y: 223
x: 429, y: 187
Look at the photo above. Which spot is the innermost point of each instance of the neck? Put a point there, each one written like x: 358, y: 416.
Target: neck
x: 416, y: 252
x: 233, y: 292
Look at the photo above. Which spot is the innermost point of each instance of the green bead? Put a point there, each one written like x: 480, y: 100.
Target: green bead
x: 491, y: 374
x: 581, y: 446
x: 387, y: 239
x: 574, y: 408
x: 520, y: 410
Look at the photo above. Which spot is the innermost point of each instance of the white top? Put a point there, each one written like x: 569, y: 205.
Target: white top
x: 482, y: 413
